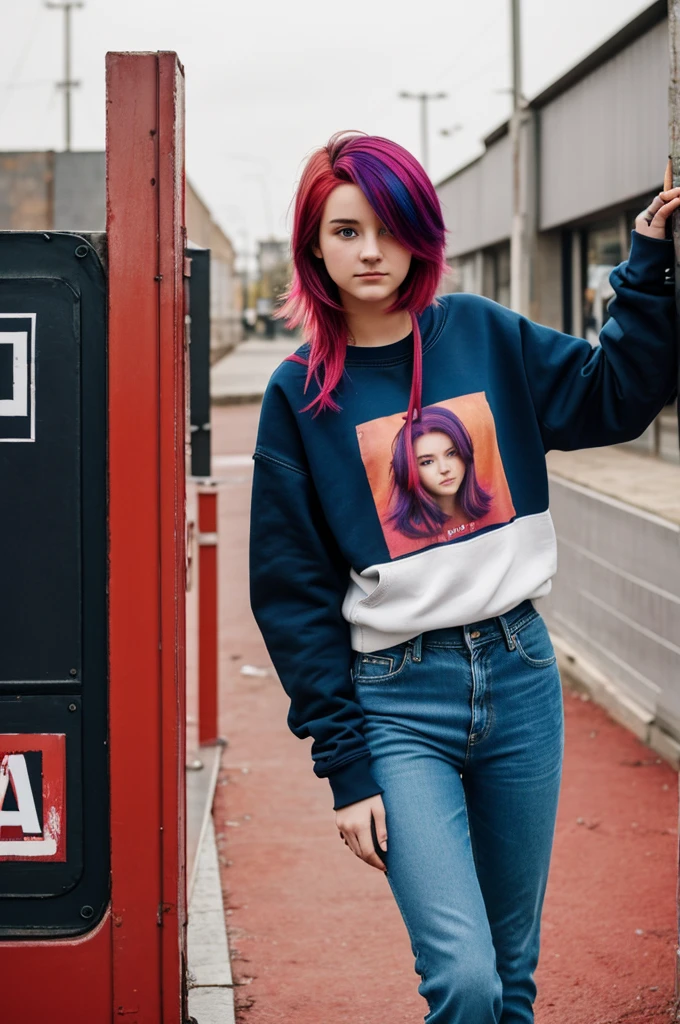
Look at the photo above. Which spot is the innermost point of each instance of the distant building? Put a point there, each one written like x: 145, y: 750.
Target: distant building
x: 67, y: 192
x: 274, y: 273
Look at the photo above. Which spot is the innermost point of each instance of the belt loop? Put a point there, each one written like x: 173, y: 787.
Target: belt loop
x: 509, y: 639
x: 417, y: 647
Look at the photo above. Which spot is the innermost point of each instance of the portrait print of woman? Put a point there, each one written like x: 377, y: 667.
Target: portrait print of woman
x: 448, y: 483
x: 445, y: 484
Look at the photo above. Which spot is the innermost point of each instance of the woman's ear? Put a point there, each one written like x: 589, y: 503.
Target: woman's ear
x: 317, y: 252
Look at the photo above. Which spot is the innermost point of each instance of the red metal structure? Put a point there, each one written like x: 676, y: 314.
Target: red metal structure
x: 131, y: 966
x: 207, y: 599
x: 147, y: 432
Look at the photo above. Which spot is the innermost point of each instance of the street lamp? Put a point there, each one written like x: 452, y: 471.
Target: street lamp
x: 452, y: 130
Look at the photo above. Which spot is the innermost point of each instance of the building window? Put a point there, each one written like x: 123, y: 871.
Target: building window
x: 602, y: 248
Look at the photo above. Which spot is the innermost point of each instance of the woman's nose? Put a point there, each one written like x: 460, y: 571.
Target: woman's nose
x: 371, y: 248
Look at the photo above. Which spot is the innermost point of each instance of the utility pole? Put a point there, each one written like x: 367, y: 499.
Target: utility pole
x: 672, y: 179
x: 673, y: 173
x: 424, y: 98
x: 68, y: 82
x: 520, y: 267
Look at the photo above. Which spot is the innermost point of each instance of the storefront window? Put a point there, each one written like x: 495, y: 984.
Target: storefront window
x: 603, y: 250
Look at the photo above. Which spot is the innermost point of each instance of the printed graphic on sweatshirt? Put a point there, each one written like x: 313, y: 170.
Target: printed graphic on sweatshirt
x: 461, y: 486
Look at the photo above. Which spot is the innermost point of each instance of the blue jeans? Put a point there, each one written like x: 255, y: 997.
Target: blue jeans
x: 466, y: 732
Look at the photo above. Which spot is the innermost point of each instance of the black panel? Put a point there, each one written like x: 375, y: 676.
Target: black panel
x: 40, y: 625
x: 199, y: 360
x: 53, y: 612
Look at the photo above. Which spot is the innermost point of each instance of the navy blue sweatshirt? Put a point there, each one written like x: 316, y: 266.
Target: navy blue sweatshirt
x: 345, y: 558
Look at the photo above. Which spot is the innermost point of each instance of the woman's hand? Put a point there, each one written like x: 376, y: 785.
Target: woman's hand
x: 652, y: 221
x: 354, y: 825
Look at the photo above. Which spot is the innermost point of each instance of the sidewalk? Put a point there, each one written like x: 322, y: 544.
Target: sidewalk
x: 242, y: 375
x: 315, y: 936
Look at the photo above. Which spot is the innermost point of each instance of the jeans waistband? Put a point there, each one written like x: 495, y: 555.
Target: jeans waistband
x: 477, y: 632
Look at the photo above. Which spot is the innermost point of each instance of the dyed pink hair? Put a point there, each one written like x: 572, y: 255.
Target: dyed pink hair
x: 403, y: 197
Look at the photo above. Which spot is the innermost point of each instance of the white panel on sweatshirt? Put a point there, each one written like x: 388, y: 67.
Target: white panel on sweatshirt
x: 451, y: 585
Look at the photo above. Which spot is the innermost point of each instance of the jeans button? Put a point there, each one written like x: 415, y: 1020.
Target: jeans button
x: 475, y: 635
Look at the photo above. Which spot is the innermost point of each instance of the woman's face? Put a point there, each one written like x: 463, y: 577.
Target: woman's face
x: 440, y: 467
x: 362, y: 257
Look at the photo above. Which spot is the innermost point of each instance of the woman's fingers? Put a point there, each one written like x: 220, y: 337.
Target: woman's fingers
x: 666, y: 210
x: 652, y: 220
x: 365, y: 840
x: 354, y: 825
x: 380, y: 826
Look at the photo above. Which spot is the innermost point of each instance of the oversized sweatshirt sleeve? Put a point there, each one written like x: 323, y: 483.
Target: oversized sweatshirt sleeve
x: 587, y: 396
x: 298, y: 579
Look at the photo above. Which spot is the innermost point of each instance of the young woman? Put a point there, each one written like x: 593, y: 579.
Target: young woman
x: 428, y: 681
x: 447, y: 481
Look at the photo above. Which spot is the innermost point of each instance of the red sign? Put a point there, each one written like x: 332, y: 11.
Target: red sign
x: 32, y: 796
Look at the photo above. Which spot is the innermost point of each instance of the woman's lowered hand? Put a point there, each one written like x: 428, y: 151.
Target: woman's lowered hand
x: 354, y: 826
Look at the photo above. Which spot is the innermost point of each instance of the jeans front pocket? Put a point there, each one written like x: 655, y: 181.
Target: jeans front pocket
x: 380, y: 666
x: 534, y: 644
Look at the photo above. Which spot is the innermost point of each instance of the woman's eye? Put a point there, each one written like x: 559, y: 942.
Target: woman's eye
x: 425, y: 462
x: 340, y: 232
x: 452, y: 452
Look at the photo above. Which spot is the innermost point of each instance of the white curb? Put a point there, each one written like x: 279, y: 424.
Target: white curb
x: 211, y: 996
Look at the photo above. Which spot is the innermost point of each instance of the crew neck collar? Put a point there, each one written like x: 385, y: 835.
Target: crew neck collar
x: 397, y: 351
x: 380, y: 353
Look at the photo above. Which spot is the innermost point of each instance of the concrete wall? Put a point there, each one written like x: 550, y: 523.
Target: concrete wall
x: 545, y: 293
x: 616, y: 596
x: 26, y: 191
x: 79, y: 192
x: 605, y: 140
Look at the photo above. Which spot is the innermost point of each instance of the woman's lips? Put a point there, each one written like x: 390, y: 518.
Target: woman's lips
x: 375, y: 274
x: 445, y: 483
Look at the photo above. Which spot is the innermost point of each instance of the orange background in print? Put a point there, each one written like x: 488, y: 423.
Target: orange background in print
x: 375, y: 444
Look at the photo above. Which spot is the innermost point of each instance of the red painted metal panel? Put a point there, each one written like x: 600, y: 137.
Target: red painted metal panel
x: 59, y: 981
x: 207, y: 612
x: 174, y: 435
x: 145, y: 215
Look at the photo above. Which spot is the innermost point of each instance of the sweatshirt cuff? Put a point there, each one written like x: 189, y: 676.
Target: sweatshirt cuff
x: 648, y: 259
x: 352, y: 782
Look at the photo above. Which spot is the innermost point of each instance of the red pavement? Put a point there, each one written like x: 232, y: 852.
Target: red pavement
x: 314, y: 933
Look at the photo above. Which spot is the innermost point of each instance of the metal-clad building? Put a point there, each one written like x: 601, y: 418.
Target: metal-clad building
x: 604, y: 136
x: 594, y: 145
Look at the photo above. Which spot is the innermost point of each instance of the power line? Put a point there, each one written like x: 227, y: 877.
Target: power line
x: 424, y: 98
x: 68, y: 83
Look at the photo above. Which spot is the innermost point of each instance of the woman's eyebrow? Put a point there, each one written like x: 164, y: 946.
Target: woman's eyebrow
x: 343, y: 220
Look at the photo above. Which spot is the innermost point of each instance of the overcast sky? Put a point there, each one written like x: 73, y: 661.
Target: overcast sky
x: 268, y: 81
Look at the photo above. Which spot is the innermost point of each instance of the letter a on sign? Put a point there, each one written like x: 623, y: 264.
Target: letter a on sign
x: 32, y: 797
